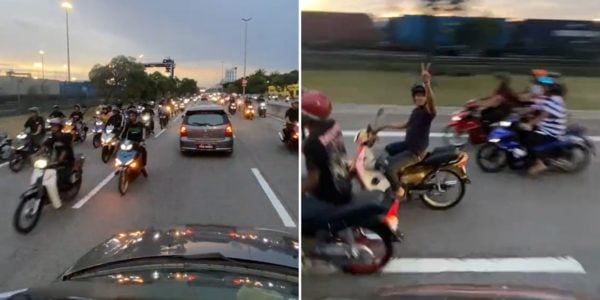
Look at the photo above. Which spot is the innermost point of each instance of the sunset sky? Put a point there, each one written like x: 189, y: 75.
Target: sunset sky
x: 554, y: 9
x: 197, y: 34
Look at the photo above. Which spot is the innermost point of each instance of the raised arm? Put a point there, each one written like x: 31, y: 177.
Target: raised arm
x: 426, y: 78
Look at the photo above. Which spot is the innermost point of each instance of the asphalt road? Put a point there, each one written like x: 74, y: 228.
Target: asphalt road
x: 204, y: 189
x: 503, y: 215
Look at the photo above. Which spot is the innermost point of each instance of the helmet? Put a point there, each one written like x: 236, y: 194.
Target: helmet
x: 34, y: 109
x: 539, y: 72
x: 55, y: 107
x: 417, y: 89
x: 545, y: 81
x: 316, y: 105
x: 55, y: 122
x: 77, y: 106
x: 132, y: 111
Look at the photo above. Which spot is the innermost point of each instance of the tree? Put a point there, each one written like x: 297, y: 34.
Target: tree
x: 477, y: 33
x: 187, y: 86
x: 441, y: 6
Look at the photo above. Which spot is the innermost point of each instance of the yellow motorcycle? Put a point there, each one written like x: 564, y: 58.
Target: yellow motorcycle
x: 439, y: 179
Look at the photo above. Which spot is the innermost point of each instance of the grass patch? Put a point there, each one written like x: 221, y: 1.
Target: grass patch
x: 384, y: 87
x: 14, y: 124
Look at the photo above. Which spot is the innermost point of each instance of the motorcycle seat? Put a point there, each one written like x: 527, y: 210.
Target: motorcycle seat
x: 441, y: 155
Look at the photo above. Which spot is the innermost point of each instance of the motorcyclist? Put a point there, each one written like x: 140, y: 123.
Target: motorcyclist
x: 56, y: 113
x: 104, y: 114
x: 116, y: 120
x: 327, y: 183
x: 148, y: 110
x: 548, y: 125
x: 291, y: 117
x: 413, y: 149
x: 62, y: 157
x: 35, y: 125
x: 134, y: 131
x: 500, y: 104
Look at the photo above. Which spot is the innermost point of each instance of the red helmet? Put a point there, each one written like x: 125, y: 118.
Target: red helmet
x: 315, y: 105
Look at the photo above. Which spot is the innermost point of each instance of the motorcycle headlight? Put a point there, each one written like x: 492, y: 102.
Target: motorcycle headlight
x: 40, y: 164
x: 456, y: 118
x: 494, y: 140
x: 69, y: 123
x: 99, y: 123
x: 21, y: 136
x: 505, y: 123
x: 126, y: 147
x: 262, y: 105
x: 145, y: 117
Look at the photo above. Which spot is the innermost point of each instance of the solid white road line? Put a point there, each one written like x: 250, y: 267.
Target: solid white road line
x: 94, y: 191
x: 283, y: 214
x: 352, y: 133
x: 563, y: 264
x: 160, y: 132
x: 3, y: 164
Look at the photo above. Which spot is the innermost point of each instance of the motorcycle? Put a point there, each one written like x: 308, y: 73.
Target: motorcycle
x: 97, y: 139
x: 465, y: 126
x: 163, y: 118
x: 128, y: 164
x: 232, y: 108
x: 44, y: 190
x: 262, y: 110
x: 22, y: 149
x: 5, y: 146
x: 148, y: 123
x: 77, y: 130
x: 571, y: 153
x: 351, y: 237
x: 110, y: 143
x: 249, y: 112
x: 292, y: 139
x: 439, y: 173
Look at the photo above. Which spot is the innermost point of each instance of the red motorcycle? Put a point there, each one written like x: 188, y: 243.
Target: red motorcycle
x: 465, y: 126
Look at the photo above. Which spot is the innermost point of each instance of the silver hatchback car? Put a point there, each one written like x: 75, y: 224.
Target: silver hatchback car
x: 206, y: 128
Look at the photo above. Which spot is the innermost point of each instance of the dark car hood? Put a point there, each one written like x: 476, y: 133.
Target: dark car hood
x: 250, y: 244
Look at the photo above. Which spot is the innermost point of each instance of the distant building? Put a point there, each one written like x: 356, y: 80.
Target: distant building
x: 230, y: 75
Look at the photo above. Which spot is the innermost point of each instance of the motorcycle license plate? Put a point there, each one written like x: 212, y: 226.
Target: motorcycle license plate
x: 206, y: 146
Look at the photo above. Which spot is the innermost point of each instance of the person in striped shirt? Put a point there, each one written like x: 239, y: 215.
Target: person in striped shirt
x: 549, y: 124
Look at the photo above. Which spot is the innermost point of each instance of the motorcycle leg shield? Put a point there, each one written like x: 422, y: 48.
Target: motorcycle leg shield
x: 50, y: 182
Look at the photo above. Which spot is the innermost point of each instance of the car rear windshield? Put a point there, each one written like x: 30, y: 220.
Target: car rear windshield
x: 206, y: 118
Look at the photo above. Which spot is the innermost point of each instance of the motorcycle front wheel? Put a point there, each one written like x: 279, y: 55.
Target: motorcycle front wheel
x: 16, y: 162
x: 375, y: 248
x: 96, y: 141
x: 123, y: 182
x: 491, y: 159
x: 27, y: 214
x: 444, y: 185
x: 454, y: 138
x: 105, y: 154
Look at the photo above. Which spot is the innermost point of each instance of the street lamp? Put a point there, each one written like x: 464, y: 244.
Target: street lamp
x: 246, y: 20
x: 42, y: 54
x: 67, y: 6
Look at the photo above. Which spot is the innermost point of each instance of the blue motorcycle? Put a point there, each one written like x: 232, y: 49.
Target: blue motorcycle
x: 128, y: 164
x: 570, y: 153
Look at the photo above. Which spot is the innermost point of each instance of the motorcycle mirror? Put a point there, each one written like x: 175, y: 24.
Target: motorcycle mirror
x: 380, y: 111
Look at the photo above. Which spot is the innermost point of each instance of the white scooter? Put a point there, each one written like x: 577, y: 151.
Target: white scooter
x: 43, y: 190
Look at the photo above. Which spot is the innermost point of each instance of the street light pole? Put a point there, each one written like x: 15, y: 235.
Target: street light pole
x: 246, y: 20
x: 67, y: 6
x: 43, y: 77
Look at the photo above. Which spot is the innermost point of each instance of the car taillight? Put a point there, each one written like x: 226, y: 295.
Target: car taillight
x: 229, y: 131
x: 183, y: 131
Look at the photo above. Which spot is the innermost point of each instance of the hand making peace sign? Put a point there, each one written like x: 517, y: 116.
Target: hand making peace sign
x: 425, y: 75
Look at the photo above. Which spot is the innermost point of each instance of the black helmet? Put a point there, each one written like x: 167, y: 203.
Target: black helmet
x: 417, y: 89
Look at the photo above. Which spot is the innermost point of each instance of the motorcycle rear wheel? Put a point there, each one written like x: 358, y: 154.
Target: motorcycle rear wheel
x: 26, y: 205
x: 580, y: 164
x: 105, y: 154
x: 123, y: 182
x: 96, y: 141
x: 494, y: 153
x: 16, y: 162
x: 431, y: 203
x: 74, y: 190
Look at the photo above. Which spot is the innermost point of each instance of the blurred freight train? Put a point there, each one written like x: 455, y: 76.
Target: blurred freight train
x: 451, y: 35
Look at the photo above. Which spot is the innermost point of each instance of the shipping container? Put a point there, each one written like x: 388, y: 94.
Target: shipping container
x: 411, y: 32
x: 77, y: 89
x: 338, y: 29
x: 555, y: 37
